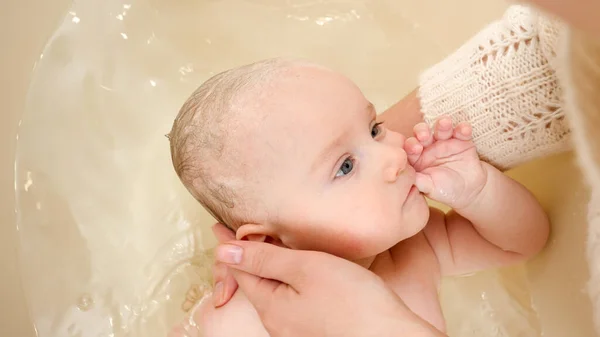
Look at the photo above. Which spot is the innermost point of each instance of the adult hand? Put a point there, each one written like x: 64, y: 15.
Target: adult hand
x: 582, y: 14
x: 305, y: 293
x: 225, y: 283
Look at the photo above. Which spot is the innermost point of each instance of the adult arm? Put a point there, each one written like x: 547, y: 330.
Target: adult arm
x: 503, y: 82
x: 582, y: 14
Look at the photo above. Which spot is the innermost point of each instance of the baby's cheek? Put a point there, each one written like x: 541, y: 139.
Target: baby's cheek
x: 357, y: 245
x: 348, y: 246
x: 341, y: 243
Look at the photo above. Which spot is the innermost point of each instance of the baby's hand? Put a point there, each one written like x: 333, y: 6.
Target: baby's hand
x: 448, y: 167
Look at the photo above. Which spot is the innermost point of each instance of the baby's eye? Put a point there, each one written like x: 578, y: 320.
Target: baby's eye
x: 376, y: 130
x: 345, y: 168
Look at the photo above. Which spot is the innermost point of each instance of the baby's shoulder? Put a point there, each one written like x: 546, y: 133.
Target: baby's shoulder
x: 415, y: 257
x: 419, y: 246
x: 415, y: 276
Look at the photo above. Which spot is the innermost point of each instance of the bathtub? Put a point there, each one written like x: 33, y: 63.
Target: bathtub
x: 99, y: 238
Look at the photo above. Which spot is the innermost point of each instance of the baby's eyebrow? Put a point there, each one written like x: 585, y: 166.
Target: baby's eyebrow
x: 338, y: 141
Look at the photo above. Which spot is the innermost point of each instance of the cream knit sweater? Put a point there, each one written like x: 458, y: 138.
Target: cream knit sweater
x: 504, y: 82
x: 515, y: 81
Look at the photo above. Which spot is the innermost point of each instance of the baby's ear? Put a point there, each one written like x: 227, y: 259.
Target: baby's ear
x: 256, y: 232
x: 251, y: 232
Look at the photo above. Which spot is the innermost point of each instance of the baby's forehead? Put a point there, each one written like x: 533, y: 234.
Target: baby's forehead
x: 311, y: 98
x: 294, y: 117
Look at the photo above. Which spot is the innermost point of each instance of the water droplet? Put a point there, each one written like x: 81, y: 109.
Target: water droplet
x: 72, y: 329
x: 85, y: 303
x: 29, y: 182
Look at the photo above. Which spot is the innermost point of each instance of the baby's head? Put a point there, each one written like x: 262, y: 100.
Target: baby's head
x: 290, y: 152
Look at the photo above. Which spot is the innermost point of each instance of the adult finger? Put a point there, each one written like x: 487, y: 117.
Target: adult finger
x: 223, y: 233
x: 259, y: 291
x: 225, y: 285
x: 266, y: 261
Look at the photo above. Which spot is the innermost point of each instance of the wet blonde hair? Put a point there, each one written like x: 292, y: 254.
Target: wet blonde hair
x: 199, y: 134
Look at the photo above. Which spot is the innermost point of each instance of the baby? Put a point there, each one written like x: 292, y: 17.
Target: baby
x: 291, y: 153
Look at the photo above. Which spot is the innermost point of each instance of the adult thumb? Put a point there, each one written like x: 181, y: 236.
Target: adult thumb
x: 261, y: 268
x: 263, y: 259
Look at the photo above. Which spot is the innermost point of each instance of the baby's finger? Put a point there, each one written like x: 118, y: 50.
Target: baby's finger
x: 225, y: 285
x: 424, y: 183
x: 413, y: 150
x: 443, y: 128
x: 423, y: 134
x: 463, y: 131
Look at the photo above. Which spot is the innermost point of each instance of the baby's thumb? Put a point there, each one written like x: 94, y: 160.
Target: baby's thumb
x: 424, y: 183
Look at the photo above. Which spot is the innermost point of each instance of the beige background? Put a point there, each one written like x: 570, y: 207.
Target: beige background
x: 24, y: 28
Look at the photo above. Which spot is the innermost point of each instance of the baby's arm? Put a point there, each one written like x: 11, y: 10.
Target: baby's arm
x: 495, y: 221
x: 505, y: 224
x: 236, y: 318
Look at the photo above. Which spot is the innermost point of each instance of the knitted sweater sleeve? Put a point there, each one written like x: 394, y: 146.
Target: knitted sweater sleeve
x: 503, y: 81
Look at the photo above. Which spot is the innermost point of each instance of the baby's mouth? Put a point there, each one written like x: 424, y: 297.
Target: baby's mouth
x: 407, y: 177
x: 412, y: 189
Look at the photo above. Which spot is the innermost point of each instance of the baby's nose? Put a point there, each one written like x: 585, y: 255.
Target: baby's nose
x: 396, y: 163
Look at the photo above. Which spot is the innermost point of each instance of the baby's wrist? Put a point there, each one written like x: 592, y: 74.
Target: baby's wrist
x: 479, y: 194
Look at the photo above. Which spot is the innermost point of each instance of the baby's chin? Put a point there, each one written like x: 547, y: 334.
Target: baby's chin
x: 411, y: 224
x: 418, y: 223
x: 415, y: 218
x: 369, y: 247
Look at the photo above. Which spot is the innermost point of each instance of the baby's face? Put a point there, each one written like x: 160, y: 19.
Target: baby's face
x: 330, y: 178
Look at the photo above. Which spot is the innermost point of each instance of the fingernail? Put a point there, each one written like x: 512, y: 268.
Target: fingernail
x: 229, y: 254
x: 218, y: 294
